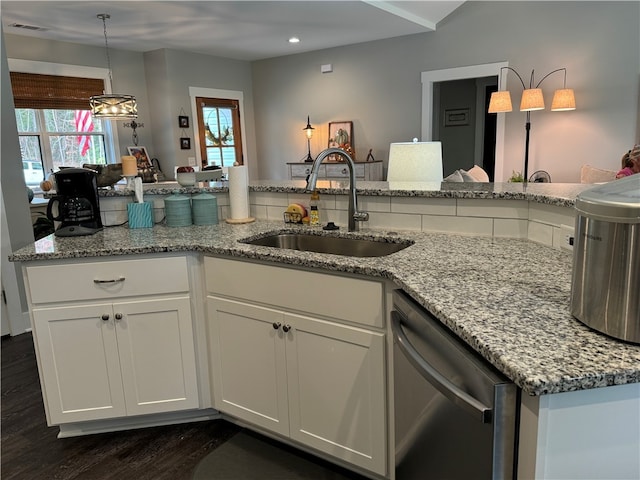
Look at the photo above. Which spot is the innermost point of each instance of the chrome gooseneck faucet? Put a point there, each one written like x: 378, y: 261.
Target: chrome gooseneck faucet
x: 354, y: 215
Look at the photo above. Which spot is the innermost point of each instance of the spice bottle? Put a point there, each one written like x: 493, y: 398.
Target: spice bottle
x: 314, y: 213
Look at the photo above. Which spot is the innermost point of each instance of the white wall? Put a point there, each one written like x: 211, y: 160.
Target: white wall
x: 170, y: 74
x: 377, y: 84
x: 16, y: 218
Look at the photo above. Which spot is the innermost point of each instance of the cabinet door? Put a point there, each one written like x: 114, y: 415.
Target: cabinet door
x: 78, y: 360
x: 337, y: 390
x: 248, y: 364
x: 156, y: 345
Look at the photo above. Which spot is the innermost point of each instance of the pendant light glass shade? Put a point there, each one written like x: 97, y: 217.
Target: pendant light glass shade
x: 532, y: 99
x: 500, y: 102
x: 112, y: 105
x: 563, y: 100
x: 308, y: 130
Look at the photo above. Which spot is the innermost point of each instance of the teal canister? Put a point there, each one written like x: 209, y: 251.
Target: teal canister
x: 177, y: 210
x: 204, y: 209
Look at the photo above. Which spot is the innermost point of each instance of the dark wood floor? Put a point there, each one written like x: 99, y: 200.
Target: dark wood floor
x: 31, y: 451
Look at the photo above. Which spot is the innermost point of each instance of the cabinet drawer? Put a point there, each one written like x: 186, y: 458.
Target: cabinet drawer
x: 105, y: 280
x: 300, y: 171
x: 335, y: 296
x: 342, y: 171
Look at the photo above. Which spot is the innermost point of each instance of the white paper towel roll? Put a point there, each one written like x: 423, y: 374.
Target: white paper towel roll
x: 239, y: 192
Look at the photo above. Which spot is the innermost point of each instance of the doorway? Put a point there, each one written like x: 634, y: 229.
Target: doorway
x: 492, y: 127
x: 465, y: 129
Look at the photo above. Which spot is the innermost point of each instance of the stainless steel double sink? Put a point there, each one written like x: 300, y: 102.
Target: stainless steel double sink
x: 336, y: 245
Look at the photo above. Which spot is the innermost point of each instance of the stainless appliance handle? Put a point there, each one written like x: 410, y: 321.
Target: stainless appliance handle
x: 116, y: 280
x: 448, y: 389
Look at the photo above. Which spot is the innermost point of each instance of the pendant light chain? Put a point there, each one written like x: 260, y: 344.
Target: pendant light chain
x: 104, y: 16
x: 110, y: 105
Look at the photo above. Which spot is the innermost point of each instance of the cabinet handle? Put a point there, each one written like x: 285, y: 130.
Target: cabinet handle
x: 105, y: 316
x: 286, y: 328
x: 121, y: 279
x: 307, y: 171
x: 276, y: 325
x: 344, y: 171
x: 119, y: 316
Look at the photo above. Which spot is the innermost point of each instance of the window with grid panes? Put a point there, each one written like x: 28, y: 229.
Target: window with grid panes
x: 55, y: 126
x: 219, y: 127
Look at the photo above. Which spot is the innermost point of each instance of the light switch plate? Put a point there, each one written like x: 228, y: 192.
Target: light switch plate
x: 192, y: 161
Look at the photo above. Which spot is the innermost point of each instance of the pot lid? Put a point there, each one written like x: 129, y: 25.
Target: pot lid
x: 615, y: 201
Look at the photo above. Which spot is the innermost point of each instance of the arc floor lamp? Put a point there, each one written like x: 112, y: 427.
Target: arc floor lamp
x: 532, y: 99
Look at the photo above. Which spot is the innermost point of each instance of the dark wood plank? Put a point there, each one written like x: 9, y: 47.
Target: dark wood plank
x: 31, y: 450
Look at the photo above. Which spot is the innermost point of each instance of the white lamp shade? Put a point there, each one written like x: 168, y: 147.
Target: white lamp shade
x: 500, y: 102
x: 415, y: 162
x: 563, y: 100
x: 532, y: 99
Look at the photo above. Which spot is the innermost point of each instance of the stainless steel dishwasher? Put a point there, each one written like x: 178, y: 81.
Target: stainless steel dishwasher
x: 456, y: 416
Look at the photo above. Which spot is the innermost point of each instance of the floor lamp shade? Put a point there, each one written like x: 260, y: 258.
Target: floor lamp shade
x: 415, y: 162
x: 563, y: 100
x: 532, y: 99
x: 500, y: 102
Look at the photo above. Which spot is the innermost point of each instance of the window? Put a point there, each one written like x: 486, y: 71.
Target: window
x: 55, y: 127
x: 50, y: 139
x: 220, y: 137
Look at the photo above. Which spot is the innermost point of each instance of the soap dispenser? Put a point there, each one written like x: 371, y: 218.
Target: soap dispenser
x: 314, y: 213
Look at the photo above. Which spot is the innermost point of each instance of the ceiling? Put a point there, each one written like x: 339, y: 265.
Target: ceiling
x: 241, y: 29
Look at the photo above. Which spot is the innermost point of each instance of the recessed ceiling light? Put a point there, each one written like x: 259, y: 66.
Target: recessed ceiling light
x: 294, y: 40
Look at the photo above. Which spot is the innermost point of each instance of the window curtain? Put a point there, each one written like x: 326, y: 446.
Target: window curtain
x: 32, y: 90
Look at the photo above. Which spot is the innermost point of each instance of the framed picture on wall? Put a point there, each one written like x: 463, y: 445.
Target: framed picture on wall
x: 456, y: 117
x: 183, y: 121
x: 185, y: 143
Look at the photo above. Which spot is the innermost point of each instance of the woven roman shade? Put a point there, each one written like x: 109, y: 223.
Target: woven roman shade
x: 32, y: 90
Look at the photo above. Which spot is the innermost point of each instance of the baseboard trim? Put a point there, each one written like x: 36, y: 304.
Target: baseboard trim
x: 128, y: 423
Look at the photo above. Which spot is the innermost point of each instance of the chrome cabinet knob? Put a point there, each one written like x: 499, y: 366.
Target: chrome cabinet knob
x: 105, y: 317
x: 119, y: 316
x: 286, y: 328
x: 276, y: 325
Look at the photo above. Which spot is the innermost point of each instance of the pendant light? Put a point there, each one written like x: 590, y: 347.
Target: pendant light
x: 112, y: 106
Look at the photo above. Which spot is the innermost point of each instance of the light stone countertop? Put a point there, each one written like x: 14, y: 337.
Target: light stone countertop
x: 507, y: 298
x: 559, y: 194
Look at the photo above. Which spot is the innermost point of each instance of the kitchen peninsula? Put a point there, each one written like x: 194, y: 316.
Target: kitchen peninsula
x: 506, y: 296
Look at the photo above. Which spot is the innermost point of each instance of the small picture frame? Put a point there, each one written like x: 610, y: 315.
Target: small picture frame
x: 340, y: 136
x: 142, y: 157
x: 183, y: 121
x: 185, y: 143
x: 456, y: 117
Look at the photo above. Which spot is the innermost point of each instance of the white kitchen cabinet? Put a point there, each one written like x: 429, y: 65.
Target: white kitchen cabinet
x: 313, y: 379
x: 125, y: 356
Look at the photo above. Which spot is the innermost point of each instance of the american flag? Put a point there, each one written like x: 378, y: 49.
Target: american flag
x: 84, y: 124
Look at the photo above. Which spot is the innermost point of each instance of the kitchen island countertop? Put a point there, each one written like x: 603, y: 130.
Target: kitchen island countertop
x: 507, y: 298
x: 558, y: 194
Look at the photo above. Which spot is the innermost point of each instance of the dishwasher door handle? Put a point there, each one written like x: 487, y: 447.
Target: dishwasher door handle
x: 435, y: 378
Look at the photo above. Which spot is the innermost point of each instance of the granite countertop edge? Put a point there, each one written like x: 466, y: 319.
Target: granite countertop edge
x: 558, y: 194
x: 507, y: 299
